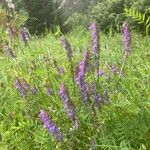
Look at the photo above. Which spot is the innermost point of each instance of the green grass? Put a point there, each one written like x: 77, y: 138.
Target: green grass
x: 123, y: 124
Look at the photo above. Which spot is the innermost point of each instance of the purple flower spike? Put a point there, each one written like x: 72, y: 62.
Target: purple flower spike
x: 9, y: 51
x: 25, y: 35
x: 95, y: 35
x: 70, y: 109
x: 20, y: 88
x: 10, y: 30
x: 50, y: 125
x: 61, y: 70
x: 127, y: 37
x: 93, y: 88
x: 84, y: 90
x: 25, y: 84
x: 96, y: 45
x: 34, y: 91
x: 113, y: 68
x: 101, y: 72
x: 67, y: 47
x: 98, y: 100
x: 80, y: 79
x: 106, y: 97
x: 50, y: 91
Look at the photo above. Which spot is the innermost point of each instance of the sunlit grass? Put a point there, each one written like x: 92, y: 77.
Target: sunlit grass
x: 122, y: 124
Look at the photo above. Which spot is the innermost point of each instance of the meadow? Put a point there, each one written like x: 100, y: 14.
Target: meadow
x: 118, y: 120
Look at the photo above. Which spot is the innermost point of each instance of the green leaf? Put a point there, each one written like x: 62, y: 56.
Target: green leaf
x: 147, y: 21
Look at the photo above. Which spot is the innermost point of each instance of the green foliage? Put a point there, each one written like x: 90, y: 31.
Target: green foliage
x: 77, y: 20
x: 42, y: 15
x: 140, y: 18
x: 121, y: 125
x: 3, y: 17
x: 109, y: 14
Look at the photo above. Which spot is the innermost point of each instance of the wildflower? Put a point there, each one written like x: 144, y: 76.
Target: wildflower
x: 50, y: 91
x: 92, y: 88
x: 10, y: 30
x: 25, y: 84
x: 113, y: 68
x: 101, y: 72
x: 20, y: 87
x: 9, y: 50
x: 50, y: 125
x: 95, y: 35
x: 127, y: 37
x: 98, y: 100
x: 34, y: 90
x: 83, y: 67
x: 70, y: 109
x: 25, y: 35
x: 80, y: 79
x: 96, y: 45
x: 67, y: 47
x: 61, y: 70
x: 106, y: 97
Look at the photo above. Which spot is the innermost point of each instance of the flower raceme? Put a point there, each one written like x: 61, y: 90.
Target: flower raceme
x: 50, y: 125
x: 10, y: 30
x: 96, y: 45
x: 25, y: 35
x: 80, y: 77
x: 9, y: 50
x: 67, y: 47
x: 22, y: 88
x: 95, y: 38
x: 83, y: 67
x: 127, y: 37
x: 69, y: 107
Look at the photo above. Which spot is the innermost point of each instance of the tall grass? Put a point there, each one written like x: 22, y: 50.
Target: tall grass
x: 121, y: 124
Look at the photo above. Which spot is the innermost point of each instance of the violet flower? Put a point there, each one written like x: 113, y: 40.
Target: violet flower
x: 69, y: 107
x: 98, y: 100
x: 80, y: 79
x: 95, y: 35
x: 92, y: 88
x: 50, y: 125
x: 127, y: 37
x: 113, y: 68
x: 10, y: 30
x: 83, y: 67
x: 61, y: 70
x: 67, y: 47
x: 106, y: 97
x: 96, y: 44
x: 50, y: 91
x: 20, y: 88
x: 25, y: 84
x: 34, y: 91
x: 9, y: 50
x: 101, y: 73
x: 25, y: 35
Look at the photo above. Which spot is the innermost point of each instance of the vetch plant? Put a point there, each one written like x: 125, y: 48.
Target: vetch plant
x: 80, y: 76
x: 127, y: 44
x: 25, y: 35
x: 69, y: 107
x: 51, y: 126
x: 9, y: 50
x: 96, y: 45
